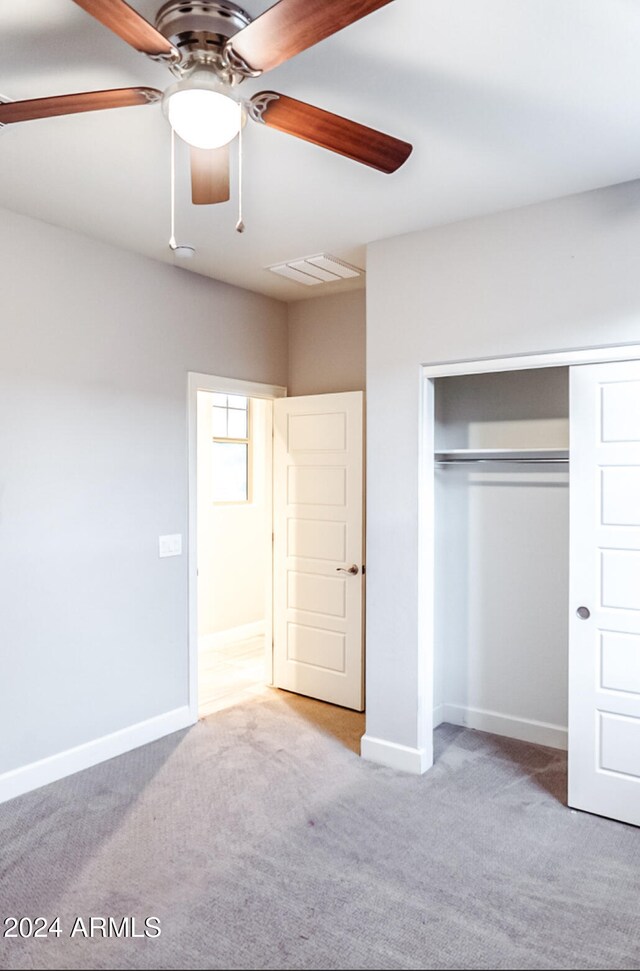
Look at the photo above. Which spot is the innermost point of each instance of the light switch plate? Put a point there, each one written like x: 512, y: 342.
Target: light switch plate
x: 170, y: 545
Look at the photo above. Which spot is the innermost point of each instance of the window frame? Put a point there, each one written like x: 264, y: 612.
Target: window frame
x: 226, y: 440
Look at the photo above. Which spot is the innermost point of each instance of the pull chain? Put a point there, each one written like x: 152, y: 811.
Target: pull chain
x: 240, y: 223
x: 172, y: 242
x: 178, y: 249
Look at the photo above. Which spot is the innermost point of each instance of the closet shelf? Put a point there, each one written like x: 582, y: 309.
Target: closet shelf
x: 529, y: 456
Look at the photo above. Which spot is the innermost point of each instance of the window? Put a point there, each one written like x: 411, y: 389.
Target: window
x: 231, y: 427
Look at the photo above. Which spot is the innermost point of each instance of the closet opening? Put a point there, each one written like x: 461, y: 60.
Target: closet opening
x: 501, y: 552
x: 530, y: 602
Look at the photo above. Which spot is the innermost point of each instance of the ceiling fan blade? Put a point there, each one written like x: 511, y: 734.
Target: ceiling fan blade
x: 291, y: 26
x: 362, y: 144
x: 70, y: 104
x: 209, y: 175
x: 124, y: 21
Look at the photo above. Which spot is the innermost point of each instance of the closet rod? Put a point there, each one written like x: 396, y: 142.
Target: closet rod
x: 502, y: 461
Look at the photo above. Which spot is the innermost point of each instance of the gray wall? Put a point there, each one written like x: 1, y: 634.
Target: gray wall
x: 327, y: 344
x: 553, y: 276
x: 95, y: 345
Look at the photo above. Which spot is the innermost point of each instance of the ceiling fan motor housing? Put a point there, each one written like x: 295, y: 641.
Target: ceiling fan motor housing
x: 200, y: 29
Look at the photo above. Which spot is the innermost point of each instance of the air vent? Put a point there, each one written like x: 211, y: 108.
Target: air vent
x: 313, y: 270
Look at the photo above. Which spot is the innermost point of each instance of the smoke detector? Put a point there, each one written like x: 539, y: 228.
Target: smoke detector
x: 312, y: 270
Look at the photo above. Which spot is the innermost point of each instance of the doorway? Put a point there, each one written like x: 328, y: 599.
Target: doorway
x: 292, y: 577
x: 234, y: 548
x: 230, y: 550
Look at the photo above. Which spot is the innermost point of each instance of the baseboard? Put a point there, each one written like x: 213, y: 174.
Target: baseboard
x: 438, y: 715
x: 524, y: 729
x: 394, y: 756
x: 41, y: 773
x: 211, y: 642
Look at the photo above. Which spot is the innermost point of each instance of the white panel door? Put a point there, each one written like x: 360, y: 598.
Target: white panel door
x: 318, y: 547
x: 604, y: 648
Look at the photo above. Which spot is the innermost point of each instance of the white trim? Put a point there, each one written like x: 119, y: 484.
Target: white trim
x: 394, y: 756
x: 438, y: 715
x: 524, y: 729
x: 211, y: 642
x: 518, y: 362
x: 426, y: 571
x: 41, y: 773
x: 253, y: 389
x: 268, y: 623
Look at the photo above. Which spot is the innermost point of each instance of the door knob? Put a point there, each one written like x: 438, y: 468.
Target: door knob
x: 583, y: 613
x: 353, y: 570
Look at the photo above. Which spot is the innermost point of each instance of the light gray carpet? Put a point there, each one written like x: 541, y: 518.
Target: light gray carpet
x: 261, y: 841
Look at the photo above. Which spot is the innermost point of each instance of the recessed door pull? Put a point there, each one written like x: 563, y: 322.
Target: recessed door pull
x: 583, y: 613
x: 353, y: 570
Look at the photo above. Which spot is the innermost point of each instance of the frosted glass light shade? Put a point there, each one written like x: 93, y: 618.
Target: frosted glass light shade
x: 203, y: 118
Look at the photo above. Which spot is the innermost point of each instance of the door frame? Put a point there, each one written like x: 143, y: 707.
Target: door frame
x: 426, y: 492
x: 252, y: 389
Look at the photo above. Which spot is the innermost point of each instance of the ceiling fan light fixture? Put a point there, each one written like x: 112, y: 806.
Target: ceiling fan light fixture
x: 201, y: 114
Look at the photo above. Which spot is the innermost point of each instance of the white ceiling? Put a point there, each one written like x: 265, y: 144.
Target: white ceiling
x: 506, y: 103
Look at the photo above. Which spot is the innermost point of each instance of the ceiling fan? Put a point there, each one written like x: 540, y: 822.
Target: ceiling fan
x: 211, y: 46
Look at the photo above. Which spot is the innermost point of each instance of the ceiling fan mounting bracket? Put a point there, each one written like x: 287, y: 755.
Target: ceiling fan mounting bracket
x: 150, y: 95
x: 4, y: 101
x: 257, y: 106
x: 170, y: 60
x: 200, y: 31
x: 237, y: 64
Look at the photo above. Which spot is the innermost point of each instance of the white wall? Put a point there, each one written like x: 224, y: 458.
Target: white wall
x: 327, y: 344
x: 232, y: 537
x: 95, y: 346
x: 558, y: 275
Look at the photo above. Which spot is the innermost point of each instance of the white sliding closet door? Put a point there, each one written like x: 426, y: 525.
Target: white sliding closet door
x: 604, y: 649
x: 318, y: 542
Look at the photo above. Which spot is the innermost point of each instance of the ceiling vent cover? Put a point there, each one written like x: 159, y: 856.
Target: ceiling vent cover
x: 312, y: 270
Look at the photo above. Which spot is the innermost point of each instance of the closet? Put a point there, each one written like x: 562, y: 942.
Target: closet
x: 535, y: 505
x: 502, y: 552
